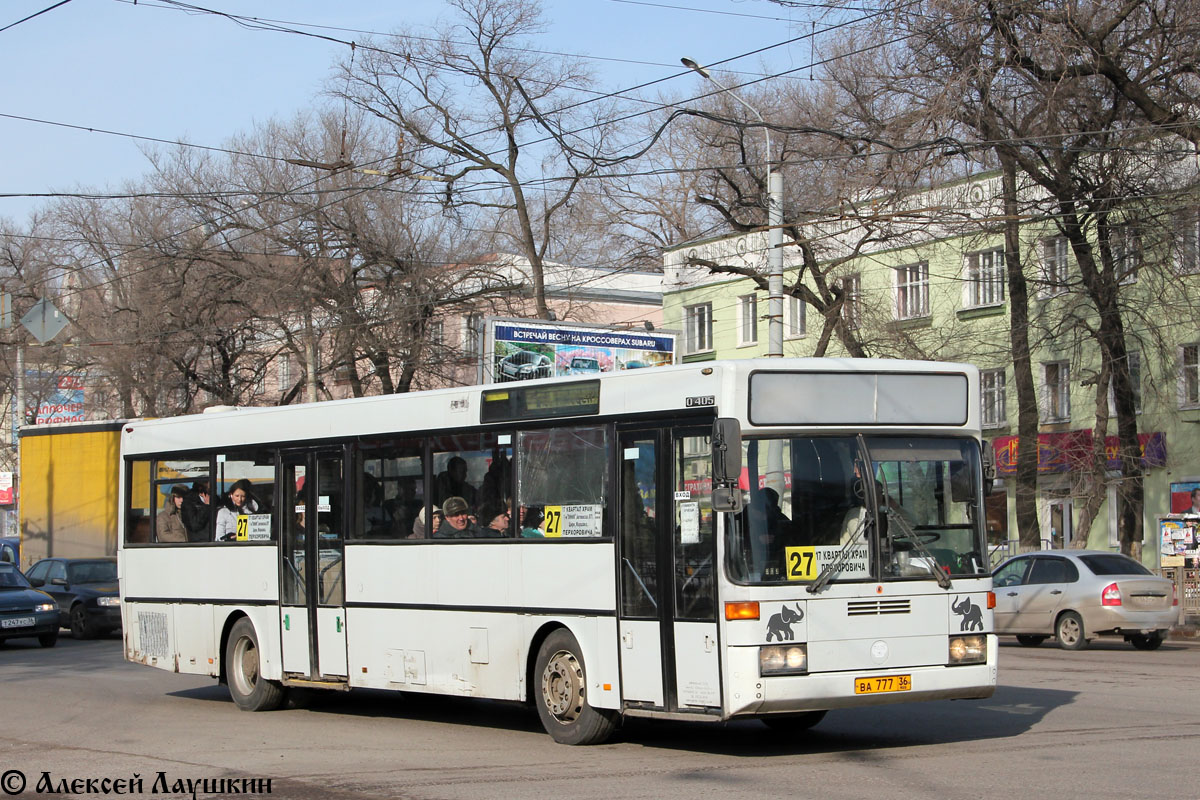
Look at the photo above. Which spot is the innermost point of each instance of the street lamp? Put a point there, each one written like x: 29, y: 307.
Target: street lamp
x: 774, y: 229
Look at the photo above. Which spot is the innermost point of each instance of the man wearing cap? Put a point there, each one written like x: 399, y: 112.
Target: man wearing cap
x: 459, y: 524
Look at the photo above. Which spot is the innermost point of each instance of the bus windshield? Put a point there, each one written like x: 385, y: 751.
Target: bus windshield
x: 807, y: 506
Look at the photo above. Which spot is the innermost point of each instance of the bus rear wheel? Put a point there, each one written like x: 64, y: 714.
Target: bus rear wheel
x: 248, y: 688
x: 560, y: 693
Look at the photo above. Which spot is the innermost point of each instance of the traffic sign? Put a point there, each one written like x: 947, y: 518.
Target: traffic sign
x: 44, y: 321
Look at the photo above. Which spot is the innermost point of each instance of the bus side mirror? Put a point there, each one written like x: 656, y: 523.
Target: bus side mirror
x: 726, y: 451
x: 726, y: 465
x: 989, y: 468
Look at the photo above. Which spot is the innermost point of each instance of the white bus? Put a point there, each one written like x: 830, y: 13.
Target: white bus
x: 762, y: 539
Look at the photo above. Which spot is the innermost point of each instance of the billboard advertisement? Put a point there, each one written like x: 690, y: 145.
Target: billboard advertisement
x: 526, y: 349
x: 59, y: 397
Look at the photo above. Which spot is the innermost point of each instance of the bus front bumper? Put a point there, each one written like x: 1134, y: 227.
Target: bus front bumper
x: 751, y: 694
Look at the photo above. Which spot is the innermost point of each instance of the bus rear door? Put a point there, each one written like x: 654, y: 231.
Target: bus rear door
x: 312, y: 589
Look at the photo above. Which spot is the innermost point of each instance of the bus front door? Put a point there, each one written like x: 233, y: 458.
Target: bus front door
x: 667, y: 623
x: 312, y: 586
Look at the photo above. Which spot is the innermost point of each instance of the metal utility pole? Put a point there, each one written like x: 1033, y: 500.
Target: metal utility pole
x: 774, y: 223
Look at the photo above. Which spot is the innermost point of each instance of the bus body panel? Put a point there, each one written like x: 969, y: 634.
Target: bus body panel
x: 641, y: 661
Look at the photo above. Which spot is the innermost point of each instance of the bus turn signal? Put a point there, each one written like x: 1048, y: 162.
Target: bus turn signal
x: 743, y: 610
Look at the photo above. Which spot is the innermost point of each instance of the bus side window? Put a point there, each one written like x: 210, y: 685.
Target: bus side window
x: 248, y: 476
x: 562, y: 482
x: 391, y: 489
x: 137, y: 520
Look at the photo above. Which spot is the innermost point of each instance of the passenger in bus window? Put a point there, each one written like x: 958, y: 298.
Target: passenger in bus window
x: 532, y: 520
x: 196, y: 512
x: 459, y: 524
x: 169, y: 524
x: 418, y: 528
x: 452, y: 482
x: 239, y: 500
x: 498, y: 480
x: 495, y: 519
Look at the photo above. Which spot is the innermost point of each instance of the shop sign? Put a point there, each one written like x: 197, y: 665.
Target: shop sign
x: 1069, y: 451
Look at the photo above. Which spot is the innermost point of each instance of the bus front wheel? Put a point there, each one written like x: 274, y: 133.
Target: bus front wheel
x: 248, y: 688
x: 560, y: 693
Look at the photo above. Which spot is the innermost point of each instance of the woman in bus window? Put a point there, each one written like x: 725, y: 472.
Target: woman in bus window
x: 236, y: 502
x: 170, y: 521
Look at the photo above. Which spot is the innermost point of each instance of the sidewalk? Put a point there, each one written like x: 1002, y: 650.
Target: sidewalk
x: 1191, y: 630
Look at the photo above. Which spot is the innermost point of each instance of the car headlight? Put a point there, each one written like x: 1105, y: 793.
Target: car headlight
x: 968, y: 649
x: 46, y: 607
x: 789, y: 659
x: 108, y: 601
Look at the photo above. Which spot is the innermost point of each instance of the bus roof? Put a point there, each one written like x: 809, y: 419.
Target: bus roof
x: 702, y: 388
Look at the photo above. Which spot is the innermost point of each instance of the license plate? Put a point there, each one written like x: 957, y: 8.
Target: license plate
x: 884, y: 683
x: 18, y: 622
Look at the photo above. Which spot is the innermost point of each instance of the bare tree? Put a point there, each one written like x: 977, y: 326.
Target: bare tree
x: 503, y: 130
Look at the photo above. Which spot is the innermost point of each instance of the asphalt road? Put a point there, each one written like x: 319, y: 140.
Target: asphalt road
x: 1107, y: 722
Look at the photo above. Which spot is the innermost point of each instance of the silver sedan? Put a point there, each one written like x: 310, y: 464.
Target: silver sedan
x: 1076, y: 595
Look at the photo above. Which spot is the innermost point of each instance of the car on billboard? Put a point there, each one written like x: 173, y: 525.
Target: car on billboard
x: 524, y: 365
x: 582, y: 365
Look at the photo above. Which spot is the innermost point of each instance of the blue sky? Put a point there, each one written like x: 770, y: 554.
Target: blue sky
x: 151, y: 70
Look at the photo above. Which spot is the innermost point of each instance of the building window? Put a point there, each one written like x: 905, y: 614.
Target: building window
x: 983, y: 283
x: 1187, y: 232
x: 1125, y: 241
x: 747, y: 320
x: 1189, y: 376
x: 1056, y: 392
x: 697, y: 327
x: 1054, y: 265
x: 995, y: 413
x: 285, y: 373
x: 793, y: 317
x: 472, y: 333
x: 1135, y: 378
x: 912, y: 291
x: 437, y: 332
x: 851, y: 286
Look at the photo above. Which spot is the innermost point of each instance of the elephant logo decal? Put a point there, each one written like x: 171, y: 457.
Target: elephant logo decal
x: 780, y: 625
x: 972, y: 615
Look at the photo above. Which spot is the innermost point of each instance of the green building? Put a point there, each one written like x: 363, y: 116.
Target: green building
x: 929, y: 281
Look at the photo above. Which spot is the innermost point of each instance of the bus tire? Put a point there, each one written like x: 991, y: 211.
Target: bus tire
x: 560, y: 694
x: 249, y: 690
x: 1069, y: 631
x: 1030, y: 640
x: 793, y: 723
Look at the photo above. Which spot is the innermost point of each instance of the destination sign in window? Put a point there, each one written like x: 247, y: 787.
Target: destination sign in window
x: 540, y: 402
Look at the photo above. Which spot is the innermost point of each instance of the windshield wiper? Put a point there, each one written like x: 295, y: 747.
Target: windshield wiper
x: 826, y: 574
x: 939, y: 574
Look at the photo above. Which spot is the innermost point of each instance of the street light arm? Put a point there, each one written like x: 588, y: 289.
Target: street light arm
x: 774, y: 189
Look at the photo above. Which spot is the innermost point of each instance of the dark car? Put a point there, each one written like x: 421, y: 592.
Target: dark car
x: 24, y: 611
x: 525, y: 364
x: 10, y: 550
x: 86, y: 590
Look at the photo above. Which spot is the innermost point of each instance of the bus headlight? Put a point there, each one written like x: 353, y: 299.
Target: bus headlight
x: 788, y: 659
x: 968, y: 650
